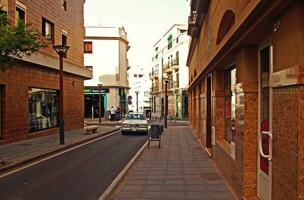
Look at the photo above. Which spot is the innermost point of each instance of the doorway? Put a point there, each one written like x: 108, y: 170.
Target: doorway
x: 265, y: 124
x: 91, y: 105
x: 208, y: 114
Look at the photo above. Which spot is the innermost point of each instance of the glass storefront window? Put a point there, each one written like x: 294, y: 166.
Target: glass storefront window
x: 43, y: 109
x: 229, y: 111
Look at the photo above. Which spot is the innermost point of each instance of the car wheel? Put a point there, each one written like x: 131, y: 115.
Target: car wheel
x: 123, y: 133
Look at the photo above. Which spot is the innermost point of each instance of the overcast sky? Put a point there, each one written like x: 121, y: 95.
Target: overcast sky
x: 145, y: 21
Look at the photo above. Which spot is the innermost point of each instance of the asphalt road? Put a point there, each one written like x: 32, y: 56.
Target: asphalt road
x: 81, y: 174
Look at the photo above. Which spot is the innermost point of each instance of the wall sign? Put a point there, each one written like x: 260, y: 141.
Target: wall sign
x: 95, y: 91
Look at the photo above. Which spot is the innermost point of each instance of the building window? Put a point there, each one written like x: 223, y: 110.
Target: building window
x: 48, y: 29
x: 229, y: 111
x: 226, y: 24
x: 43, y: 109
x: 20, y: 15
x: 170, y: 41
x: 88, y: 47
x: 64, y: 4
x: 177, y: 79
x: 177, y: 58
x: 135, y: 75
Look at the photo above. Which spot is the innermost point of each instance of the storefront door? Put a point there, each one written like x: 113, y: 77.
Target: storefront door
x: 265, y: 124
x: 209, y: 114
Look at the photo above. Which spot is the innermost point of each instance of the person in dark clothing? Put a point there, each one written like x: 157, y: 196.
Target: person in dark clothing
x: 117, y: 114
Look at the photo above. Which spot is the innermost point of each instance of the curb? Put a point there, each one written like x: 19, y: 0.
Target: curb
x: 49, y: 153
x: 115, y: 182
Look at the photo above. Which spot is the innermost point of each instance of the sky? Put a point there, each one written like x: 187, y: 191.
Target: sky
x: 145, y: 21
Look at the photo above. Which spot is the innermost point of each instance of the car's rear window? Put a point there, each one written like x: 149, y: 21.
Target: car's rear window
x: 136, y: 116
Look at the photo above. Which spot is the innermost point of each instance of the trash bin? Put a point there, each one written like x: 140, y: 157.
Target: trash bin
x: 155, y: 134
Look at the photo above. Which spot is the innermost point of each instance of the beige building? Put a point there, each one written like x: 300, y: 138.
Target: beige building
x: 169, y: 60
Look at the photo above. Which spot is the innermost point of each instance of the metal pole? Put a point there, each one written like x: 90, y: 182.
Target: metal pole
x: 61, y: 119
x: 166, y: 104
x: 137, y: 102
x: 99, y: 105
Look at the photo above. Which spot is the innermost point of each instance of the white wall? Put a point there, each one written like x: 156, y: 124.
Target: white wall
x: 105, y: 62
x: 142, y: 85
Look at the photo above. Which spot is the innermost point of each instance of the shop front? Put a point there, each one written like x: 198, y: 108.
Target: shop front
x: 91, y: 102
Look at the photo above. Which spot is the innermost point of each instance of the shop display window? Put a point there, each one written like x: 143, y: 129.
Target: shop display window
x: 229, y: 107
x: 43, y: 109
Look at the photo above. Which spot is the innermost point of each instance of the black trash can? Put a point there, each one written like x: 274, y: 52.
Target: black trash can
x: 155, y: 134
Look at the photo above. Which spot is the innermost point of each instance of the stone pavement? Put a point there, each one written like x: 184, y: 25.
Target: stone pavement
x: 180, y: 169
x: 19, y: 153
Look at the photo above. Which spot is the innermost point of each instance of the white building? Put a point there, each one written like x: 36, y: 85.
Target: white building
x: 169, y: 60
x: 105, y: 51
x: 140, y: 83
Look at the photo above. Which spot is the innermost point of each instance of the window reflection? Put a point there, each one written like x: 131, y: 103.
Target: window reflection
x: 43, y: 109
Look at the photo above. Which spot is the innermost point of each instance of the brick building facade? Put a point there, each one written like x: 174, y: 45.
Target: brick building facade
x: 30, y: 91
x: 246, y: 93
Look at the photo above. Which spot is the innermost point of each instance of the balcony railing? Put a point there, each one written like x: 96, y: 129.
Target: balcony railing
x: 167, y: 68
x: 175, y: 64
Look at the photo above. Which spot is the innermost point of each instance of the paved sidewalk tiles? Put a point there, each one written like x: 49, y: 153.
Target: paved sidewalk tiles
x: 20, y: 152
x: 180, y: 169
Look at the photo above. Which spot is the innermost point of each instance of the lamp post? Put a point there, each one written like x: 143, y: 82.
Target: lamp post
x: 136, y: 92
x: 166, y: 103
x: 99, y: 102
x: 61, y: 51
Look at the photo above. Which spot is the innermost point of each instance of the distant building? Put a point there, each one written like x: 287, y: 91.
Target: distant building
x: 30, y: 91
x: 105, y: 53
x: 169, y: 58
x: 140, y: 82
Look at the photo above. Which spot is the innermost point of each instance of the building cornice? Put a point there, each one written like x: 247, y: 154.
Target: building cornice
x: 106, y: 38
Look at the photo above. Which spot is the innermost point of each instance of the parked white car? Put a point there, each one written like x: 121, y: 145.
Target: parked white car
x: 134, y: 123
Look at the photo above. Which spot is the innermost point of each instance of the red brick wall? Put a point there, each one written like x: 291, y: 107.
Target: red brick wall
x: 17, y: 80
x: 71, y: 21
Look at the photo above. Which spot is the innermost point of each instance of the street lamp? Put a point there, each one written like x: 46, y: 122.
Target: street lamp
x: 136, y: 92
x: 61, y: 51
x: 166, y: 79
x: 99, y: 102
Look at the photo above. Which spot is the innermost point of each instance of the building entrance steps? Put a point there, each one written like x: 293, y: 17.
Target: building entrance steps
x: 180, y: 169
x: 15, y: 154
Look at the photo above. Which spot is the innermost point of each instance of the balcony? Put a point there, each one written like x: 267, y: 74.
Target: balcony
x: 167, y: 68
x: 175, y: 65
x: 153, y: 76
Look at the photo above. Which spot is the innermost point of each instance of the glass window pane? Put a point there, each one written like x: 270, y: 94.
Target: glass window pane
x: 43, y: 109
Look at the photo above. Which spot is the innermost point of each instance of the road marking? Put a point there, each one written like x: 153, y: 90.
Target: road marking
x: 55, y: 155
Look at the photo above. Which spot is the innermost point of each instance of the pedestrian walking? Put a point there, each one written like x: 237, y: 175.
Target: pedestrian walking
x: 112, y: 113
x: 117, y: 114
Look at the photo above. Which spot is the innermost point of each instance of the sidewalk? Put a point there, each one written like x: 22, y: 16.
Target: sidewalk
x: 104, y: 122
x: 16, y: 154
x: 180, y: 169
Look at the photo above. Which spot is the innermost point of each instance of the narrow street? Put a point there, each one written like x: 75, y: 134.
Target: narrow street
x: 83, y: 173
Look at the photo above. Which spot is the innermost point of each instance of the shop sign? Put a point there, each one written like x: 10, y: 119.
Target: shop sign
x: 95, y: 91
